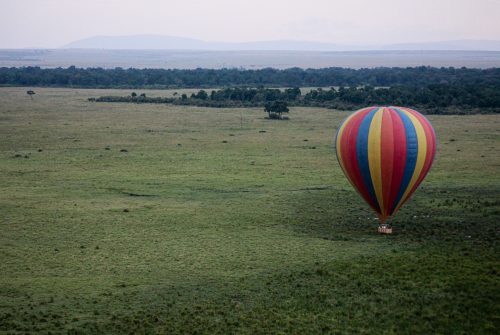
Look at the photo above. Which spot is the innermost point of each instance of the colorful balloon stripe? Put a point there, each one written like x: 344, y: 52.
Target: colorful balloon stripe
x: 385, y: 152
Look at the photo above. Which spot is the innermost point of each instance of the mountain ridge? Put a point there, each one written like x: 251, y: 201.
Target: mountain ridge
x: 164, y: 42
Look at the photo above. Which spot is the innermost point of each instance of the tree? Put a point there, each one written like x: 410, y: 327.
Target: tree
x: 275, y: 109
x: 292, y: 93
x: 202, y: 95
x: 133, y: 94
x: 31, y: 93
x: 143, y: 95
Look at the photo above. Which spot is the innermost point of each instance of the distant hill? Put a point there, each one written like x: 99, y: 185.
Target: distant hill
x: 160, y: 42
x: 138, y: 42
x: 476, y: 45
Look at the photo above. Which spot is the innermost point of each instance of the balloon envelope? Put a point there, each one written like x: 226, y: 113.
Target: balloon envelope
x: 385, y: 152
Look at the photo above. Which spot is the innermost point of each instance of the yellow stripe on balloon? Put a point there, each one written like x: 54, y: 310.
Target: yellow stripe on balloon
x: 422, y: 151
x: 375, y: 156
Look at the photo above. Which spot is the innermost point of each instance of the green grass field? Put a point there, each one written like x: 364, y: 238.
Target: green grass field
x: 123, y: 218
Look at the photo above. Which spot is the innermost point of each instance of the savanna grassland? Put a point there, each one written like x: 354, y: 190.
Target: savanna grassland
x: 126, y: 218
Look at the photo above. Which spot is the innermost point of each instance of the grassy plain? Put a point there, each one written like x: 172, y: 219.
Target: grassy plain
x: 123, y: 218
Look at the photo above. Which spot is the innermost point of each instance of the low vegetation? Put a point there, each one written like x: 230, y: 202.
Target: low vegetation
x: 432, y: 99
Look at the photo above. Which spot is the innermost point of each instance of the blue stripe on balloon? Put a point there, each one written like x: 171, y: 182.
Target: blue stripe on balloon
x: 411, y: 155
x: 362, y: 154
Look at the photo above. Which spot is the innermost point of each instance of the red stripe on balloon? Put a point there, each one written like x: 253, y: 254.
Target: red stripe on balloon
x: 348, y: 152
x: 399, y: 156
x: 387, y: 159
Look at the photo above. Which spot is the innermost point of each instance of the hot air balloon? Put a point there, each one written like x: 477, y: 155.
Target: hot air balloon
x: 385, y: 153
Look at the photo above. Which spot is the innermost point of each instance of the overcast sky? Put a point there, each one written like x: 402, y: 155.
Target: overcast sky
x: 54, y: 23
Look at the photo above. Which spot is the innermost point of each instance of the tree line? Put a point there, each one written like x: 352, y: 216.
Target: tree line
x: 431, y: 99
x: 268, y: 77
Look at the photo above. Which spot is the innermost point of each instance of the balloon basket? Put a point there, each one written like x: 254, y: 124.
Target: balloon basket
x: 385, y: 229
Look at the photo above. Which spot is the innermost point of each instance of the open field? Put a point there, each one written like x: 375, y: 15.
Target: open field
x: 119, y: 218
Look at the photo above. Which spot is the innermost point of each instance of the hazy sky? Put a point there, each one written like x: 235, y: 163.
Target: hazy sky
x: 54, y: 23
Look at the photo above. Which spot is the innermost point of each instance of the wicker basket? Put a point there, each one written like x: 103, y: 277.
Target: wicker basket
x: 385, y: 229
